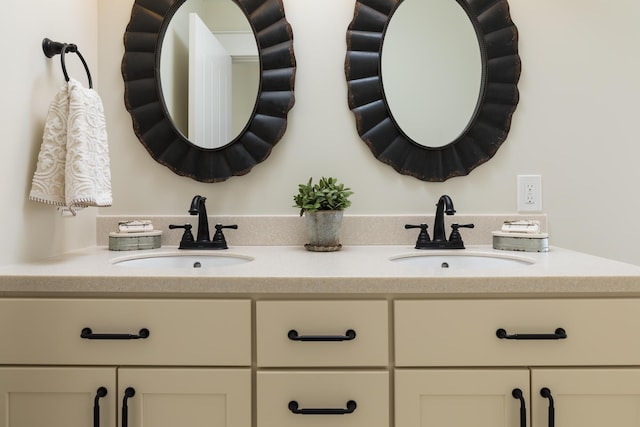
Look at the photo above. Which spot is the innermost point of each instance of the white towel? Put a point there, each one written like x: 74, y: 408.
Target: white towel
x: 73, y: 165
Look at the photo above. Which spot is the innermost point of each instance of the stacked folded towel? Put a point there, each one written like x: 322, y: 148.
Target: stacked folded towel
x: 135, y: 226
x: 73, y: 167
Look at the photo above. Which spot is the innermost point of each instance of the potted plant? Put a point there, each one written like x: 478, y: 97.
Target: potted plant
x: 323, y: 204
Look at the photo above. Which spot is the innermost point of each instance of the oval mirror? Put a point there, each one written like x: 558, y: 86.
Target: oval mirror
x: 209, y: 71
x: 400, y: 115
x: 150, y: 94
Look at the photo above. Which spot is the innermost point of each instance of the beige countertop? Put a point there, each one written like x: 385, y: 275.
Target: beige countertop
x: 291, y: 271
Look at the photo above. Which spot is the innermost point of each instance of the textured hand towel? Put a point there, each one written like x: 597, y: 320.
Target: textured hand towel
x: 73, y: 165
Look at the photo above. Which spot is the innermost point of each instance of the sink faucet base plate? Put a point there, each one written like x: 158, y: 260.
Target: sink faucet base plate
x: 202, y: 245
x: 441, y: 245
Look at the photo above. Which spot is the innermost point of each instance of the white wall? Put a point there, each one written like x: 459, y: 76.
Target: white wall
x: 575, y: 126
x: 29, y: 79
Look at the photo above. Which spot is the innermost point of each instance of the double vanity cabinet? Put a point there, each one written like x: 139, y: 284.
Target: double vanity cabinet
x: 373, y: 362
x: 285, y: 341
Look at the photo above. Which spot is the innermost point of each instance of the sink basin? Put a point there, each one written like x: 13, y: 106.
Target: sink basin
x: 182, y: 260
x: 463, y: 261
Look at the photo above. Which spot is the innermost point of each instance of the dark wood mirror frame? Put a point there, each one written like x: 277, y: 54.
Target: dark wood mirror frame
x: 151, y: 122
x: 491, y: 121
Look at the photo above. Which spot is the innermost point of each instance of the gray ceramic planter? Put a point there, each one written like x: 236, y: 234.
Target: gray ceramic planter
x: 323, y: 230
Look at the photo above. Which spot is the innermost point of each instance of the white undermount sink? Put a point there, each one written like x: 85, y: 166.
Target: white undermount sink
x: 460, y: 260
x: 182, y: 260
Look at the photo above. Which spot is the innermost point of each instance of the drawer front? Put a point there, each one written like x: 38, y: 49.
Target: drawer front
x: 335, y: 398
x: 180, y: 332
x: 322, y: 333
x: 464, y: 333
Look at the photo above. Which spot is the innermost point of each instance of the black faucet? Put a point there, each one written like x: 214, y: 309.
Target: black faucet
x: 444, y: 206
x: 202, y: 241
x: 198, y: 208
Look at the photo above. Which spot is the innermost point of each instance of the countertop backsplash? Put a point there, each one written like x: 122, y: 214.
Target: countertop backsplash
x: 285, y: 230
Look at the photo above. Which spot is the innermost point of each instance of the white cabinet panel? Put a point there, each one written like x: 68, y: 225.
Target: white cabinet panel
x: 454, y: 398
x: 280, y: 322
x: 464, y: 332
x: 592, y: 397
x: 56, y: 397
x: 187, y: 397
x: 323, y: 390
x: 181, y: 332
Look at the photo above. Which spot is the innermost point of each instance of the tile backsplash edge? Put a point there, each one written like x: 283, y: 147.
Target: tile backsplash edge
x: 285, y: 230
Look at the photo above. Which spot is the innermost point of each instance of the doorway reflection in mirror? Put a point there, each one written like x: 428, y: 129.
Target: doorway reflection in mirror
x: 209, y: 71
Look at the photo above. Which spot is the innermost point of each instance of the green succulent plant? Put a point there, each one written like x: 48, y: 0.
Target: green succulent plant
x: 326, y: 195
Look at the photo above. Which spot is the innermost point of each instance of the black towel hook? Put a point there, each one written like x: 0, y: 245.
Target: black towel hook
x: 52, y: 48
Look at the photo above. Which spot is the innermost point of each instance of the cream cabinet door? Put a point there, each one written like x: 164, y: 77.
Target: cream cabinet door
x: 58, y: 397
x: 586, y: 397
x: 455, y: 398
x: 184, y: 397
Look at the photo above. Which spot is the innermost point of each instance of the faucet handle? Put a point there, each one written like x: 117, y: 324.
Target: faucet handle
x: 455, y: 238
x: 187, y: 236
x: 218, y: 239
x: 220, y: 226
x: 423, y: 237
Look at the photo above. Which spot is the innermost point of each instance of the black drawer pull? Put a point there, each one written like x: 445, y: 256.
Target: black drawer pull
x: 348, y: 336
x: 88, y: 334
x: 100, y: 393
x: 351, y: 407
x: 559, y: 334
x: 517, y: 394
x: 546, y: 393
x: 128, y: 393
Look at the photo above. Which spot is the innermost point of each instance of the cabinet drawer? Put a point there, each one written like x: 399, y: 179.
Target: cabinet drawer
x: 322, y: 333
x: 464, y: 333
x: 181, y: 332
x: 362, y: 395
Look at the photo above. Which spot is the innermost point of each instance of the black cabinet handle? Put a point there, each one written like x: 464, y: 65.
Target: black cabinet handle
x: 546, y: 393
x: 348, y: 336
x: 559, y: 334
x: 128, y: 393
x: 100, y: 393
x: 88, y: 334
x: 517, y: 394
x: 351, y: 407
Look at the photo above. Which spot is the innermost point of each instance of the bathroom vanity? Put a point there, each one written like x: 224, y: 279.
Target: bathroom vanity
x: 295, y: 338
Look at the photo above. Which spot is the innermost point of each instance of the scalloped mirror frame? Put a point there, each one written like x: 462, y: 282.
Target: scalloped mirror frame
x: 151, y: 121
x: 491, y: 121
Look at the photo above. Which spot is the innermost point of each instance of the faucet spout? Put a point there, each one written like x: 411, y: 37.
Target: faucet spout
x: 444, y: 206
x: 203, y: 241
x: 198, y: 208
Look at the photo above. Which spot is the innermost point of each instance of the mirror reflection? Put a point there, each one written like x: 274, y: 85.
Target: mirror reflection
x: 209, y: 71
x: 431, y: 70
